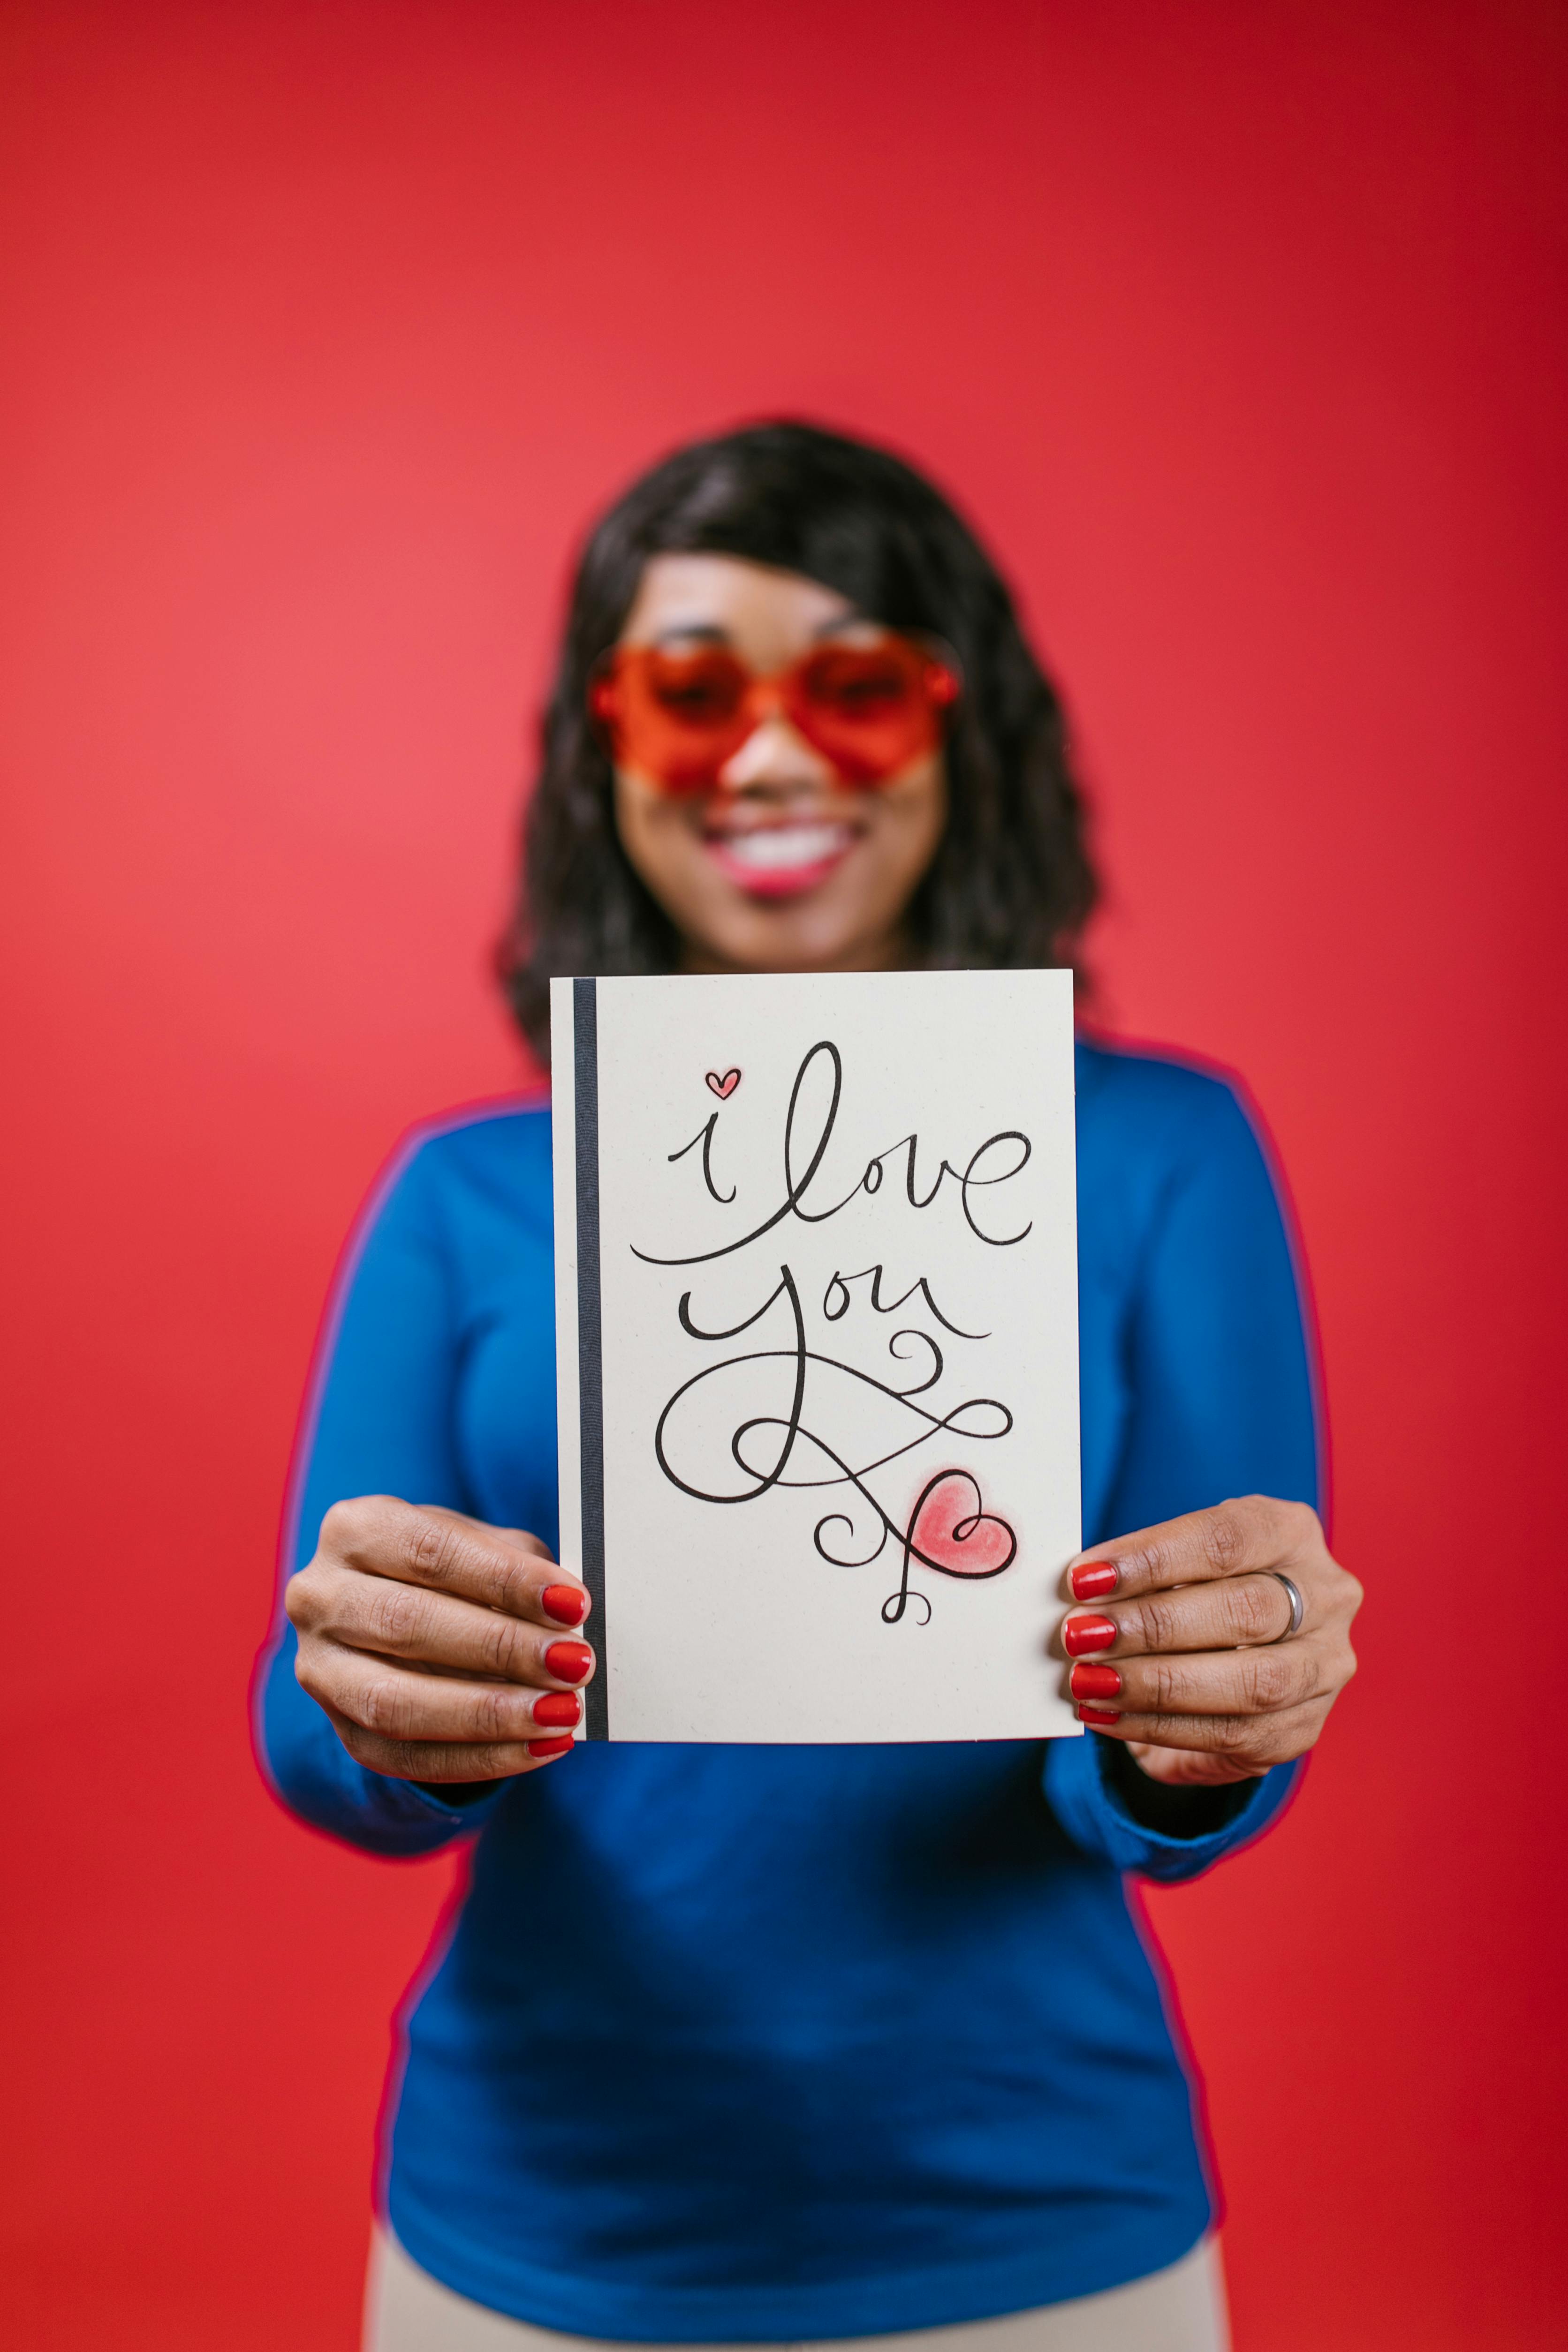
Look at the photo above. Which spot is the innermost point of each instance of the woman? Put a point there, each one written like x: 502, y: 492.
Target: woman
x: 801, y: 2043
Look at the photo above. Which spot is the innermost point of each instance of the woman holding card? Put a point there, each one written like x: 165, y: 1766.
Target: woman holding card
x: 758, y: 2044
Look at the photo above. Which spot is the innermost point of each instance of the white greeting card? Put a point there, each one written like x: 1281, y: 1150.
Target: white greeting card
x: 818, y: 1347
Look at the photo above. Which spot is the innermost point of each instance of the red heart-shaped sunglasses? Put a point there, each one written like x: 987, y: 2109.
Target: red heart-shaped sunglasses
x: 677, y: 718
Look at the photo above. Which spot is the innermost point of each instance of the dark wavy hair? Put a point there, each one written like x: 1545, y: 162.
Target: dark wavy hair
x: 1011, y: 883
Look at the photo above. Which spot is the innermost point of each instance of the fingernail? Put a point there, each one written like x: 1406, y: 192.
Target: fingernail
x: 1087, y: 1681
x: 1079, y: 1635
x: 1098, y: 1715
x: 565, y: 1706
x: 1093, y: 1582
x: 568, y: 1603
x: 570, y: 1661
x: 551, y: 1746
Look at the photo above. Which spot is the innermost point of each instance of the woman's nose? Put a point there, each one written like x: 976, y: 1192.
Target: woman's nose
x: 774, y: 756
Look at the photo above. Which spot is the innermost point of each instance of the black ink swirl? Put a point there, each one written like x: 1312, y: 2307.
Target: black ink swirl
x: 977, y: 1418
x: 771, y: 1449
x: 840, y: 1283
x: 871, y: 1181
x: 704, y: 1136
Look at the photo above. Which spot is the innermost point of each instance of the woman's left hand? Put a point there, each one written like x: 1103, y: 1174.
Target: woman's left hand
x: 1187, y: 1654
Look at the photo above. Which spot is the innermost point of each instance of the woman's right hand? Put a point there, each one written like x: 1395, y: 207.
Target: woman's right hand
x: 439, y: 1648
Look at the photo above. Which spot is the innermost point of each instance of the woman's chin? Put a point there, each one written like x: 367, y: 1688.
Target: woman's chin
x: 806, y: 930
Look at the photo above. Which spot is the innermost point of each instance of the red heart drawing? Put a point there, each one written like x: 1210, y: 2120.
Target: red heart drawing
x: 723, y: 1086
x: 949, y: 1531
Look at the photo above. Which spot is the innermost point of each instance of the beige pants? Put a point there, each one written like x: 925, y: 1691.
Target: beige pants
x: 1178, y: 2310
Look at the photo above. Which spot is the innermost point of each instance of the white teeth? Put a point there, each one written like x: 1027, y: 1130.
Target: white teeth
x: 778, y: 846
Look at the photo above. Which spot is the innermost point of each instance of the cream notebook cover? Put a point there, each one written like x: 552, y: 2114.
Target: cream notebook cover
x: 817, y: 1350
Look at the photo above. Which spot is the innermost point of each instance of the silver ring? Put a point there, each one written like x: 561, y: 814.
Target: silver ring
x: 1298, y: 1606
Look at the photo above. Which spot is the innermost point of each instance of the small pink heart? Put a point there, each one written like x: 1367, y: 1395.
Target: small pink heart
x: 723, y: 1086
x: 955, y: 1535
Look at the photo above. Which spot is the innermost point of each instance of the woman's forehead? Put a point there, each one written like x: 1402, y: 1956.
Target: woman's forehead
x: 768, y: 615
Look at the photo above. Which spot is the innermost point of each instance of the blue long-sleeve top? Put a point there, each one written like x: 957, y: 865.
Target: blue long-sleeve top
x: 782, y: 2042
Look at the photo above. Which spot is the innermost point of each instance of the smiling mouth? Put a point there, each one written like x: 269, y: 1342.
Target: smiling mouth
x: 777, y: 861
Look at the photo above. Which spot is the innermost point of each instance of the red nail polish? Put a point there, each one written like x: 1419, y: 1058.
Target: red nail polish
x: 567, y: 1603
x: 555, y: 1708
x: 1082, y: 1633
x: 551, y: 1746
x: 1087, y: 1681
x: 1098, y: 1714
x: 1093, y: 1582
x: 570, y: 1661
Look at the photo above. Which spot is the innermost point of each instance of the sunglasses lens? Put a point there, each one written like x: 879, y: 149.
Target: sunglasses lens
x: 871, y: 709
x: 698, y: 693
x: 676, y: 718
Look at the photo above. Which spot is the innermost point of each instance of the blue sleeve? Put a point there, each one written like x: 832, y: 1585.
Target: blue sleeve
x: 1223, y: 1405
x: 379, y: 1422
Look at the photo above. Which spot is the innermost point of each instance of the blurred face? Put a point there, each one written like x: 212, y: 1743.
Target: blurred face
x: 792, y: 790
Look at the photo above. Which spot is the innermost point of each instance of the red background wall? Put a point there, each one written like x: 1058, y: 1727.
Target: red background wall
x: 1240, y: 331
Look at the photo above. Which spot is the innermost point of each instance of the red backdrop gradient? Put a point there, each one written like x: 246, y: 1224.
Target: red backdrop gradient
x: 1240, y: 331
